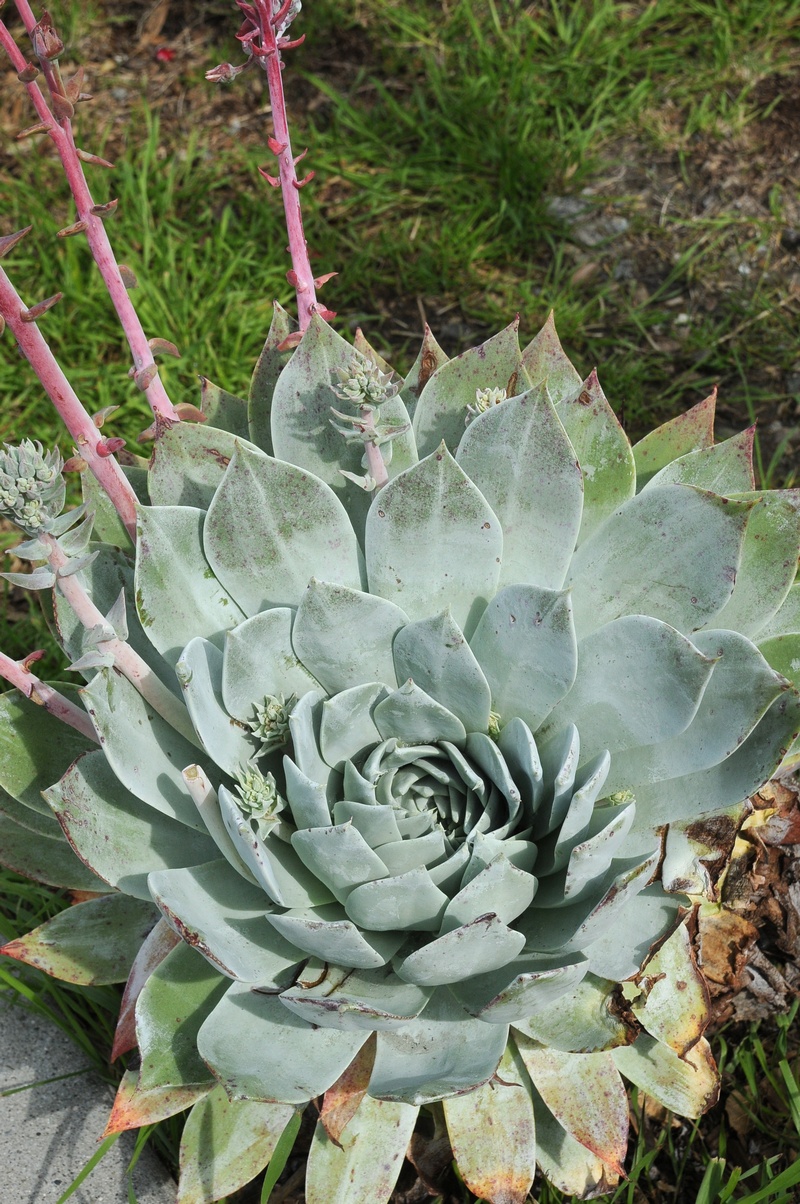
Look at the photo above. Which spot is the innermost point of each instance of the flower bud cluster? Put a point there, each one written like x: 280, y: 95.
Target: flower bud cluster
x: 484, y: 400
x: 259, y: 798
x: 32, y: 488
x: 364, y: 385
x: 271, y: 723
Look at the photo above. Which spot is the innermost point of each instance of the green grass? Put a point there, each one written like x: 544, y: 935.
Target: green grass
x: 440, y: 134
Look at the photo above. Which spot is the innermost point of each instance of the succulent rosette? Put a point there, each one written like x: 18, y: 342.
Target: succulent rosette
x: 455, y: 750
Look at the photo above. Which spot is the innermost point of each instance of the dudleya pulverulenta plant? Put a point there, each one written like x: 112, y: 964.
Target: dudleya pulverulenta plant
x: 426, y: 708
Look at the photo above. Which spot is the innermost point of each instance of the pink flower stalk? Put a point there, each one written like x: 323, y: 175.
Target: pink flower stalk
x: 57, y: 124
x: 18, y: 674
x: 90, y: 444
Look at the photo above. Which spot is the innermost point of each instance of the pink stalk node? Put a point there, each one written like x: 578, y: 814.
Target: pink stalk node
x: 77, y: 421
x: 17, y: 674
x: 60, y: 130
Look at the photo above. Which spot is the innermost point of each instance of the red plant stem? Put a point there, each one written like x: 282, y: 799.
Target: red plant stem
x: 129, y: 663
x: 375, y: 462
x: 87, y: 437
x: 99, y: 244
x: 298, y: 248
x: 46, y: 696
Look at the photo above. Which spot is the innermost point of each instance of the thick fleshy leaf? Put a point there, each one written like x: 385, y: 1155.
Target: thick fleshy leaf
x: 696, y: 853
x: 493, y: 1134
x: 407, y: 902
x: 176, y: 592
x: 26, y: 817
x: 352, y: 1000
x: 688, y: 1085
x: 436, y: 656
x: 36, y: 749
x: 261, y: 1051
x: 483, y: 945
x: 429, y: 358
x: 225, y: 1143
x: 135, y: 1106
x: 160, y: 941
x: 189, y: 461
x: 223, y: 917
x: 271, y: 527
x: 325, y: 932
x: 639, y: 681
x: 567, y: 1164
x: 108, y: 526
x: 413, y: 717
x: 302, y: 432
x: 671, y: 552
x: 689, y: 432
x: 585, y: 1094
x: 741, y: 688
x: 637, y: 928
x: 545, y: 360
x: 146, y: 754
x: 175, y: 1000
x: 675, y: 1005
x: 304, y: 725
x: 339, y: 856
x: 114, y: 835
x: 586, y: 1020
x: 43, y: 858
x: 227, y: 740
x: 725, y: 468
x: 433, y: 541
x: 519, y: 456
x: 341, y: 1101
x: 768, y: 562
x: 270, y: 364
x: 344, y: 637
x: 347, y: 724
x: 91, y: 943
x: 603, y: 451
x: 223, y: 410
x: 259, y: 661
x: 443, y: 1052
x: 500, y: 888
x: 363, y: 1166
x: 785, y: 621
x: 522, y: 988
x: 441, y: 410
x: 525, y: 645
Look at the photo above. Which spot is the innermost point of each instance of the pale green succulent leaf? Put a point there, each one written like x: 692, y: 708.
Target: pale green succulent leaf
x: 441, y: 410
x: 478, y: 947
x: 585, y: 1094
x: 742, y: 774
x: 223, y: 917
x: 413, y: 717
x: 726, y: 468
x: 363, y: 1166
x: 545, y: 360
x: 304, y: 727
x: 590, y: 858
x: 768, y: 565
x: 225, y: 1143
x: 493, y: 1134
x: 674, y: 1006
x: 259, y: 1050
x: 581, y: 818
x: 785, y: 621
x: 344, y: 637
x: 377, y: 824
x: 567, y: 1164
x: 409, y: 902
x: 741, y: 688
x: 559, y: 758
x: 223, y: 410
x: 355, y: 1000
x: 432, y: 540
x: 42, y: 824
x: 302, y: 433
x: 47, y: 859
x: 671, y: 552
x: 518, y: 454
x: 525, y: 986
x: 271, y: 363
x: 348, y: 722
x: 443, y: 1052
x: 603, y: 450
x: 521, y: 755
x: 227, y: 740
x: 434, y: 653
x: 326, y: 932
x: 121, y: 841
x: 525, y: 644
x: 307, y: 800
x: 188, y: 463
x: 91, y: 943
x: 501, y: 888
x: 107, y: 526
x: 177, y: 997
x: 271, y: 527
x: 620, y: 949
x: 429, y: 358
x: 176, y: 591
x: 339, y: 856
x: 260, y: 662
x: 639, y: 682
x: 692, y: 431
x: 585, y: 1020
x: 144, y: 751
x: 688, y: 1085
x: 36, y: 749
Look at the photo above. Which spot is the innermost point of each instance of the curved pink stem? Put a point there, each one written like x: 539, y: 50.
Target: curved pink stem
x: 18, y: 674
